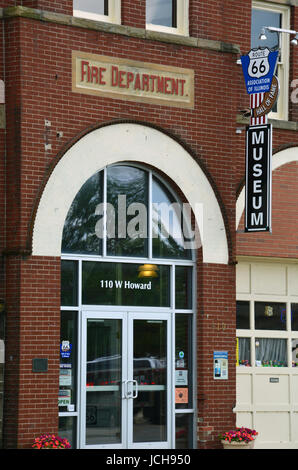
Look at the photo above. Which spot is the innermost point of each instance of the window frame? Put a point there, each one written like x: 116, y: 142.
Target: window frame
x: 182, y: 19
x: 175, y: 309
x: 253, y: 334
x: 114, y: 15
x: 151, y: 176
x: 283, y: 65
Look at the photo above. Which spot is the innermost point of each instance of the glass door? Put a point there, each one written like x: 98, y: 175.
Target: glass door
x: 149, y: 365
x: 126, y: 381
x: 102, y: 412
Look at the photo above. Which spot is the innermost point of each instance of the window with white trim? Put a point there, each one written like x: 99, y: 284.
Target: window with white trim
x: 168, y: 16
x: 98, y: 10
x: 269, y: 14
x: 263, y: 333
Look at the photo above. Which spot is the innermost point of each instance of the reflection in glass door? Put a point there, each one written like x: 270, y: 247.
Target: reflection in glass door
x: 126, y: 376
x: 103, y: 369
x: 148, y: 409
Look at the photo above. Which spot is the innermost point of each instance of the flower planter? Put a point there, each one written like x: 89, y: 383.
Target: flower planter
x: 238, y: 438
x: 238, y: 445
x: 50, y: 441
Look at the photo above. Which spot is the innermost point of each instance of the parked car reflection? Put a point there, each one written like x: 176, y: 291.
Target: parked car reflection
x: 107, y: 371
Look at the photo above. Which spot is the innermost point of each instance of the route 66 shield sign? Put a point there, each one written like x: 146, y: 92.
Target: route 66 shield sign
x: 258, y: 69
x: 258, y: 64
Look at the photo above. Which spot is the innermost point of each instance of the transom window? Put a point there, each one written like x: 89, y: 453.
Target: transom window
x: 167, y: 15
x: 99, y: 10
x: 127, y: 211
x: 267, y: 14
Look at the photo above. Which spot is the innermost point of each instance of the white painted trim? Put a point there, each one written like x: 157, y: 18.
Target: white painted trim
x: 113, y: 17
x: 2, y: 350
x: 278, y: 159
x: 182, y: 21
x: 2, y: 92
x: 125, y: 142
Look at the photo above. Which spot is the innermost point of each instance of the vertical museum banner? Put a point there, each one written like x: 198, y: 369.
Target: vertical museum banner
x: 258, y: 178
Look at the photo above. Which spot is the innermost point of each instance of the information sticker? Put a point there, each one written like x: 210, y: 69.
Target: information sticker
x: 181, y: 395
x: 220, y: 365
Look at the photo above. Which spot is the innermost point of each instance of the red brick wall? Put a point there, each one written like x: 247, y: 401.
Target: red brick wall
x: 133, y: 13
x: 210, y: 19
x: 223, y: 21
x: 58, y: 6
x: 13, y: 134
x: 33, y: 326
x: 282, y: 242
x: 38, y: 87
x: 7, y: 3
x: 12, y: 353
x: 215, y: 332
x: 46, y: 94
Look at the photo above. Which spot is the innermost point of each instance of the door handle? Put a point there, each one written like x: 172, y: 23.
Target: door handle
x: 130, y: 393
x: 136, y: 390
x: 124, y: 388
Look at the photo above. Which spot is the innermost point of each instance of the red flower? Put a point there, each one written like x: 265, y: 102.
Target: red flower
x: 50, y: 441
x: 239, y: 434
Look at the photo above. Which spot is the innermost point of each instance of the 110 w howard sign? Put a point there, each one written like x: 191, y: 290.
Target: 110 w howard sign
x: 258, y: 178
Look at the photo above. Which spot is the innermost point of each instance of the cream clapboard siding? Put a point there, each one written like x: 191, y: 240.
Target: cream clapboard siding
x: 270, y: 407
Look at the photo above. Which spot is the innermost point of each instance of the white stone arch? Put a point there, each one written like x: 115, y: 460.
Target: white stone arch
x: 278, y: 159
x: 124, y: 142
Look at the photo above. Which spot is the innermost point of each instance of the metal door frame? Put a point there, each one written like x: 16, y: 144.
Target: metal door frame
x: 82, y: 415
x: 170, y: 408
x: 127, y: 317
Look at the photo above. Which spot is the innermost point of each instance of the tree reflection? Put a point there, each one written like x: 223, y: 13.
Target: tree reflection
x: 126, y: 223
x: 133, y: 184
x: 167, y: 225
x: 79, y: 229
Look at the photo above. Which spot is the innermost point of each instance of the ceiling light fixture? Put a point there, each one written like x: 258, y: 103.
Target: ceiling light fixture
x: 148, y: 270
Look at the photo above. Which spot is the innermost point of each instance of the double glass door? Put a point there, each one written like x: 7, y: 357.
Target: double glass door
x: 126, y: 378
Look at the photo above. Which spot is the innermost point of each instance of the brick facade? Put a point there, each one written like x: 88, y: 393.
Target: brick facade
x: 36, y: 68
x: 282, y: 242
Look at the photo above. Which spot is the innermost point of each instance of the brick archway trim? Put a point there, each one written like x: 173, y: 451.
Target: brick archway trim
x: 135, y: 143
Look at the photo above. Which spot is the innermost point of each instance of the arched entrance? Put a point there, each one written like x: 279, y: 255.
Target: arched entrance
x: 128, y: 286
x: 122, y: 143
x: 127, y: 375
